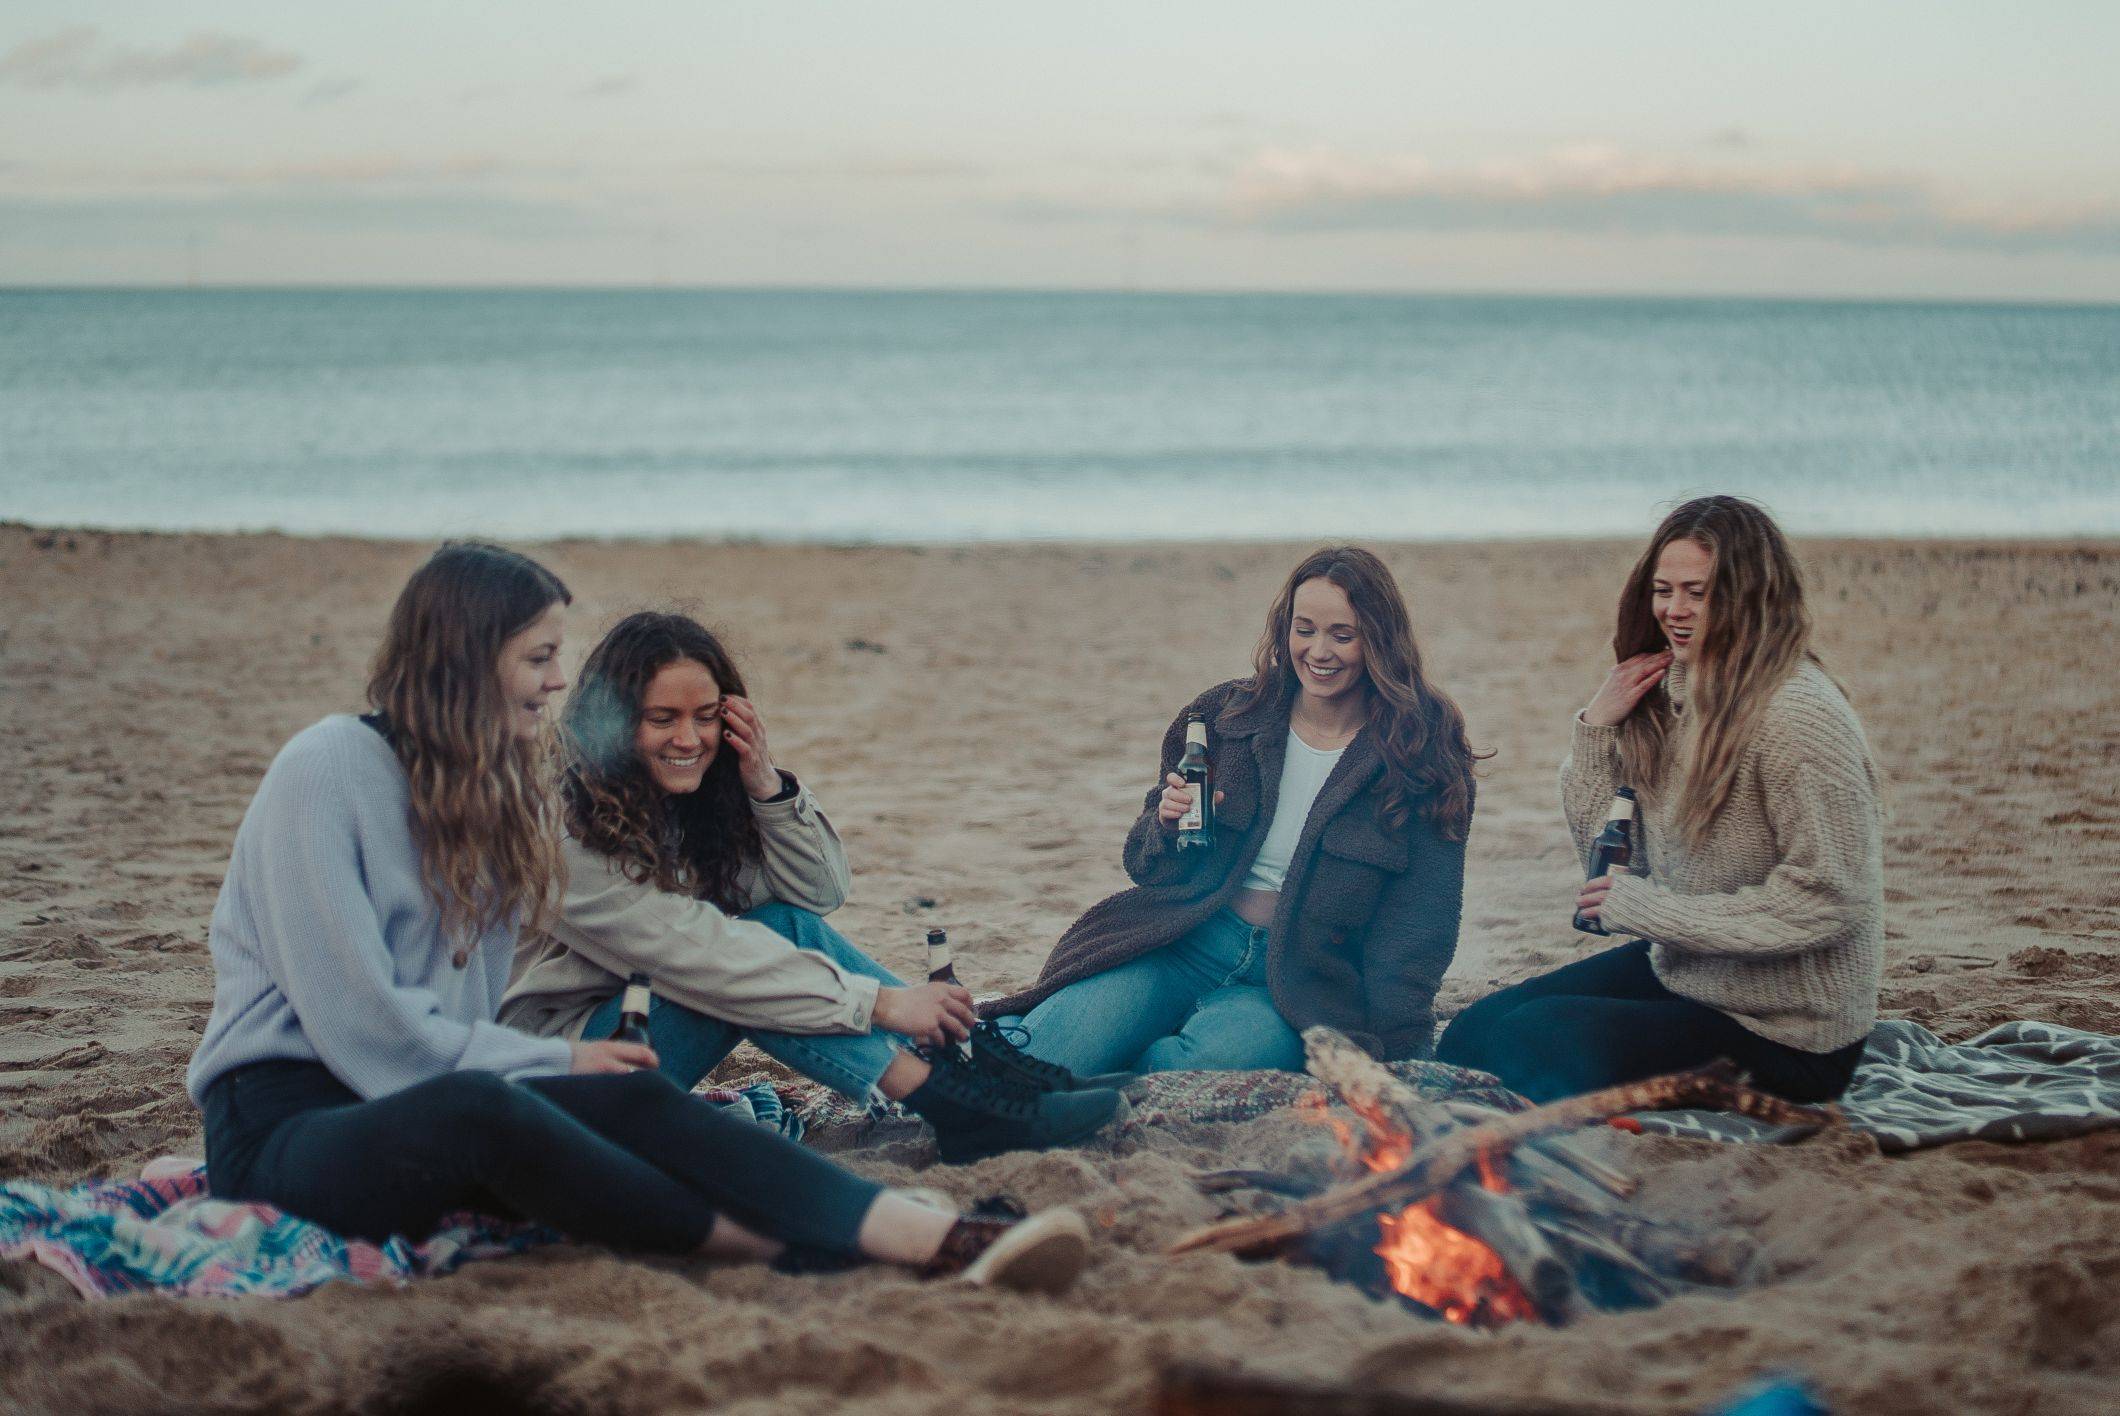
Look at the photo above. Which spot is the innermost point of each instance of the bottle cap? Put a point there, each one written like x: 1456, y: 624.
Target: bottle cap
x: 936, y: 936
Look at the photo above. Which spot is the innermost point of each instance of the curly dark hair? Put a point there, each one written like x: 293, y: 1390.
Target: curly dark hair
x: 695, y: 844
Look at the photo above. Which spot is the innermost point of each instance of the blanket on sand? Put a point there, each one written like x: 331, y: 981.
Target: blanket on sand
x: 164, y: 1233
x: 2020, y: 1081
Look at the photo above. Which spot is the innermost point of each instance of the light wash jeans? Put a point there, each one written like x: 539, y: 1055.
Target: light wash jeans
x: 1197, y: 1004
x: 689, y: 1045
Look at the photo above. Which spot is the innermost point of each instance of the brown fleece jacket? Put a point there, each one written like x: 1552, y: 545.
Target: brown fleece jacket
x: 1368, y: 919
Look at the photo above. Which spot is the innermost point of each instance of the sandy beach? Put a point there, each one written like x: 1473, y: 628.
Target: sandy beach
x: 981, y: 723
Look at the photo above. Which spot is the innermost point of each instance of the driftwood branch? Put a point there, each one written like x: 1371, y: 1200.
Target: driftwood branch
x: 1718, y: 1086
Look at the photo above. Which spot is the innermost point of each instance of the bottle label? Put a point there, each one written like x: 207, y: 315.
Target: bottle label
x: 636, y: 999
x: 1622, y: 810
x: 938, y: 956
x: 1196, y: 732
x: 1191, y: 820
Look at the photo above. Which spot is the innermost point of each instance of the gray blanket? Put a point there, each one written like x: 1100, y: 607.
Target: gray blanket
x: 2017, y: 1082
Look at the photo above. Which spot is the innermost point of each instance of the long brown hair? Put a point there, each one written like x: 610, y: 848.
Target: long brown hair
x: 696, y: 843
x: 1757, y: 633
x: 481, y: 805
x: 1427, y: 756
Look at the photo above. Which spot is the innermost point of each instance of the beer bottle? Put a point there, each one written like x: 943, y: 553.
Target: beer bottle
x: 633, y: 1012
x: 940, y: 969
x: 1196, y: 828
x: 1612, y: 852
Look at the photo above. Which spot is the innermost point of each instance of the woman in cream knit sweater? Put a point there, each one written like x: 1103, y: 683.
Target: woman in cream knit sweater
x: 1756, y: 898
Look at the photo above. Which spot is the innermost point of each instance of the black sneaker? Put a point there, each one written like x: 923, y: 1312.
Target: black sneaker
x: 976, y: 1115
x: 998, y: 1055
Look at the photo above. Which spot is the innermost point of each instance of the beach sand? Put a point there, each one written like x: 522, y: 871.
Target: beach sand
x: 981, y: 723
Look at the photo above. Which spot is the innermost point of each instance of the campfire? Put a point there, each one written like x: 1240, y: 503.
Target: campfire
x: 1485, y: 1217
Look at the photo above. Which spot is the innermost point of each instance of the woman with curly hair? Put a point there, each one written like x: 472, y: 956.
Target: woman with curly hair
x: 693, y: 858
x: 1335, y: 881
x: 352, y: 1071
x: 1758, y: 924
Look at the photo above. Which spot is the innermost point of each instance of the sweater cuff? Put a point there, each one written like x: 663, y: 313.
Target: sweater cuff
x: 861, y: 999
x: 1622, y: 912
x: 791, y: 803
x: 1593, y: 739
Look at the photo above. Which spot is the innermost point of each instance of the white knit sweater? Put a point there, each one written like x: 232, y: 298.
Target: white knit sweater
x: 1777, y: 916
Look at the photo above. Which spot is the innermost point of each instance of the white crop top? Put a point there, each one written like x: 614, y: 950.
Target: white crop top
x: 1303, y: 773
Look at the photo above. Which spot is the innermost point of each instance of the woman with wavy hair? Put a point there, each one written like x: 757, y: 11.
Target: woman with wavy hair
x: 1335, y: 880
x: 352, y: 1071
x: 693, y: 858
x: 1758, y: 923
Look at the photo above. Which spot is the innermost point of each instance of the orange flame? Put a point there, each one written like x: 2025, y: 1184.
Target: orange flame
x: 1448, y: 1270
x: 1431, y: 1262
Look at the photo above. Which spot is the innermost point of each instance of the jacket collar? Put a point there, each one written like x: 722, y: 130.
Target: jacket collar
x: 1238, y: 719
x: 1266, y: 723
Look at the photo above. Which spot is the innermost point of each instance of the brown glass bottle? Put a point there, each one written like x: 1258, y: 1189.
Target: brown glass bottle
x: 1612, y: 852
x: 941, y: 969
x: 1196, y: 828
x: 633, y: 1012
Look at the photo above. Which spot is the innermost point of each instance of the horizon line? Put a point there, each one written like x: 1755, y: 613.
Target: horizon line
x: 2088, y: 302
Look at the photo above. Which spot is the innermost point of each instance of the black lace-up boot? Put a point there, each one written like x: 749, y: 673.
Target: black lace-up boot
x: 976, y: 1115
x: 997, y: 1053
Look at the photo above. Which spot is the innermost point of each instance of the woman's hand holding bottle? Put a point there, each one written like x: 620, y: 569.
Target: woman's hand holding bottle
x: 1624, y: 688
x: 1177, y: 800
x: 931, y: 1014
x: 607, y: 1056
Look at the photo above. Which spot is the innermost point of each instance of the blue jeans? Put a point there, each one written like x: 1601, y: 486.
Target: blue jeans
x: 689, y: 1045
x: 1197, y: 1004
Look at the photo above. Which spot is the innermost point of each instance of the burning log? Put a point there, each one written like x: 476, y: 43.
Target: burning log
x: 1718, y: 1086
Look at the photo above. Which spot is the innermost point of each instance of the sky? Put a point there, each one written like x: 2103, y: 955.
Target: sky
x: 1939, y: 150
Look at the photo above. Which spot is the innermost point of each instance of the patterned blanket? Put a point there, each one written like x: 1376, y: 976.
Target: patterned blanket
x: 2021, y: 1081
x: 2017, y: 1082
x: 164, y: 1233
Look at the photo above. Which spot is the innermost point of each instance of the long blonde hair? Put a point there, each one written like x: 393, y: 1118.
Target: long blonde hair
x: 1419, y: 731
x: 1757, y: 633
x: 482, y: 807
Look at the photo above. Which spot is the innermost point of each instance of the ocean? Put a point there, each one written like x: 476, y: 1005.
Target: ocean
x: 926, y: 416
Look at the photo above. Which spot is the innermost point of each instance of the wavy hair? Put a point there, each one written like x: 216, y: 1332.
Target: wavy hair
x: 696, y: 843
x: 1427, y: 756
x: 481, y: 802
x: 1757, y: 632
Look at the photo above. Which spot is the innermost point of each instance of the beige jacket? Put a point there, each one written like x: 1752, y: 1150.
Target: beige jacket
x: 733, y: 969
x: 1776, y: 917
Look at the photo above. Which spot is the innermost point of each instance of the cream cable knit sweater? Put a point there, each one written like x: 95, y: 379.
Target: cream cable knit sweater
x: 1777, y: 916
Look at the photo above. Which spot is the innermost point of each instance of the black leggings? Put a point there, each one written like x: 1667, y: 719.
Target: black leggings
x: 1608, y: 1019
x: 629, y: 1160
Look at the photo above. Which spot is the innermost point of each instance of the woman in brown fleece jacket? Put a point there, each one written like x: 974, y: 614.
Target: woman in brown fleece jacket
x: 1334, y: 885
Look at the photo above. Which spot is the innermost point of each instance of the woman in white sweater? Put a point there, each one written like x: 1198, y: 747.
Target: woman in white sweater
x: 694, y: 859
x: 352, y: 1071
x: 1757, y: 896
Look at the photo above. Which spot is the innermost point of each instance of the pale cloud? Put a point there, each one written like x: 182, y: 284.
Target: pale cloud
x: 1593, y: 187
x: 330, y: 91
x: 80, y: 57
x: 609, y: 86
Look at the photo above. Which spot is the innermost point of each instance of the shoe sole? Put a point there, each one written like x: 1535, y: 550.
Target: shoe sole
x: 1043, y: 1254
